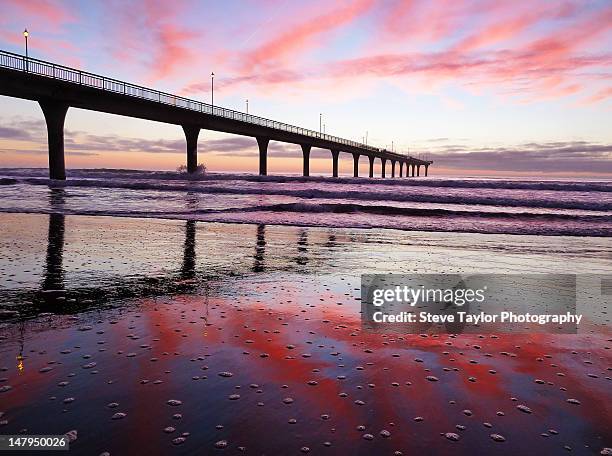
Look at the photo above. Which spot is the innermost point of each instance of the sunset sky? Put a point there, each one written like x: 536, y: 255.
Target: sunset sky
x: 480, y: 87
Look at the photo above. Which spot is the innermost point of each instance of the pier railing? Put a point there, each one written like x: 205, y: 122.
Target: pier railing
x: 51, y: 70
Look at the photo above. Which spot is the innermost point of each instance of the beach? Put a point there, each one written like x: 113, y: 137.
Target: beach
x: 164, y: 336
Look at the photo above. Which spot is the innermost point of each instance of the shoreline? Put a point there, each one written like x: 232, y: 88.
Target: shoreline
x: 299, y: 225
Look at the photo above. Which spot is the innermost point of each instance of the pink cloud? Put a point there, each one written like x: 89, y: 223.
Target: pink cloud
x: 549, y: 63
x: 418, y: 20
x: 601, y: 95
x: 304, y: 35
x: 151, y: 34
x: 42, y: 12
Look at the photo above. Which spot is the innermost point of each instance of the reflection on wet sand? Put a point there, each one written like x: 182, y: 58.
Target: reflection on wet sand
x: 276, y: 380
x: 54, y: 273
x: 260, y: 249
x: 239, y: 343
x: 188, y: 269
x: 302, y: 247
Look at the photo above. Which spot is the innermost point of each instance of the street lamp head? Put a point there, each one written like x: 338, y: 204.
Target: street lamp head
x: 26, y: 33
x: 212, y: 74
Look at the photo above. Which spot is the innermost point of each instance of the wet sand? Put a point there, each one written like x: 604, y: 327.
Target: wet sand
x: 172, y: 337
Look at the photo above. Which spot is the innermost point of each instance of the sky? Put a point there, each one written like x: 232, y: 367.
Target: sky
x: 479, y: 87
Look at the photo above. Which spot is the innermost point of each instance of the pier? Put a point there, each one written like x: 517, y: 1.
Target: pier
x: 57, y: 88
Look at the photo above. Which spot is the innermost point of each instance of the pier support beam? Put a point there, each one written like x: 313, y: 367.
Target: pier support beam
x: 383, y: 162
x: 55, y: 114
x: 371, y: 157
x: 412, y: 167
x: 306, y: 153
x: 335, y: 154
x: 426, y: 168
x: 401, y: 169
x: 355, y: 165
x: 263, y: 155
x: 191, y: 135
x: 418, y: 170
x: 392, y: 168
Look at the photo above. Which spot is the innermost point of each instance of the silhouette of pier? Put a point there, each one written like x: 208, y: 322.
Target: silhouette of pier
x: 57, y: 88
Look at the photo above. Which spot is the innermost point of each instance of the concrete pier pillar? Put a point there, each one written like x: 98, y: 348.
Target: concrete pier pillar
x: 418, y: 170
x: 383, y: 161
x: 426, y: 168
x: 355, y: 165
x: 392, y: 168
x: 371, y: 157
x: 191, y: 135
x: 412, y: 167
x: 263, y: 155
x: 335, y: 154
x: 306, y: 153
x: 55, y: 115
x: 401, y: 169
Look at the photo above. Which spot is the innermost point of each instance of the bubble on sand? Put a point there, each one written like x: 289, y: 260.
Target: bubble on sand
x: 5, y: 388
x: 431, y: 378
x: 174, y: 402
x: 498, y: 438
x: 169, y: 430
x: 178, y: 440
x: 288, y: 400
x: 385, y: 433
x: 118, y: 416
x: 225, y: 374
x: 233, y: 397
x: 573, y: 401
x: 523, y: 408
x: 368, y: 436
x: 452, y: 436
x: 221, y: 444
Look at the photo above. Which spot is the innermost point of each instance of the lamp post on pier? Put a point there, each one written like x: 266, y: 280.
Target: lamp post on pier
x: 212, y: 89
x: 25, y: 35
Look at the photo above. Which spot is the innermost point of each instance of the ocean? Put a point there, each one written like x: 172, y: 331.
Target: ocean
x: 476, y: 205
